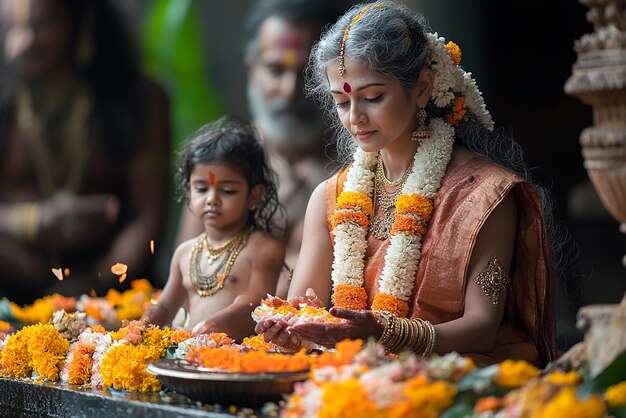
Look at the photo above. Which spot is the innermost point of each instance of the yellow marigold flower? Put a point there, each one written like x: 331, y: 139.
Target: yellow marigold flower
x: 562, y: 379
x: 123, y: 367
x: 349, y: 297
x: 454, y: 51
x: 416, y: 205
x: 353, y: 200
x: 157, y: 337
x: 566, y: 404
x: 513, y: 374
x: 16, y: 359
x: 141, y: 285
x: 48, y: 349
x: 386, y: 302
x: 258, y: 343
x: 616, y: 395
x: 346, y: 398
x: 129, y: 312
x: 425, y: 396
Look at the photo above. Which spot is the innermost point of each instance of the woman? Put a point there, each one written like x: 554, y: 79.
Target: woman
x: 433, y: 247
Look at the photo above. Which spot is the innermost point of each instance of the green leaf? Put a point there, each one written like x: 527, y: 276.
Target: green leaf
x: 5, y: 311
x: 461, y: 410
x: 619, y: 412
x: 171, y: 351
x: 612, y: 375
x: 479, y: 378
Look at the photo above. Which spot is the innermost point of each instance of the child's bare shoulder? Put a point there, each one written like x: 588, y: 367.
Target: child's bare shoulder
x: 185, y: 246
x: 264, y: 247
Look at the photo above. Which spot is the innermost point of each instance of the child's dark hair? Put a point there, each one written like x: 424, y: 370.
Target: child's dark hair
x: 235, y: 143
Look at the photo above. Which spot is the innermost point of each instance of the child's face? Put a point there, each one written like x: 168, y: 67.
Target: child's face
x: 219, y: 196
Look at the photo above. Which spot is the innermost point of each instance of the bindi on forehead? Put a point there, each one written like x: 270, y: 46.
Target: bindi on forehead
x: 212, y: 178
x: 347, y: 87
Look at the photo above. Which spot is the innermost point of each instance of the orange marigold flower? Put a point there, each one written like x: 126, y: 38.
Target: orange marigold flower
x: 386, y: 302
x: 180, y: 335
x: 231, y: 359
x: 16, y: 359
x: 459, y: 102
x: 488, y: 403
x: 354, y: 217
x: 353, y: 200
x: 349, y: 297
x: 80, y: 368
x: 346, y: 398
x: 454, y: 51
x: 513, y: 374
x: 407, y: 225
x: 5, y: 327
x: 344, y: 354
x: 416, y: 205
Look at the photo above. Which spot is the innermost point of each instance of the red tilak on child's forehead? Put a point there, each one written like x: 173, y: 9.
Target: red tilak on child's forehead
x: 347, y: 88
x: 211, y: 178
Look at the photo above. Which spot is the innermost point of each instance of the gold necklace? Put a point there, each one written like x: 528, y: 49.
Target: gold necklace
x: 213, y: 253
x: 209, y: 284
x: 381, y: 225
x: 63, y: 170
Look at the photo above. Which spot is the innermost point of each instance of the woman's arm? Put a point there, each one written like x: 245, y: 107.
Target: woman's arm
x: 477, y: 329
x: 316, y: 255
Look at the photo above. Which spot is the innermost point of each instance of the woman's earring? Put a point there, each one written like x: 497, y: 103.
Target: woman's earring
x: 422, y: 131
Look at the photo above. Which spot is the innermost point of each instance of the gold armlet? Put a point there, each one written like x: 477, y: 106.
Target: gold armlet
x: 26, y: 218
x: 493, y: 280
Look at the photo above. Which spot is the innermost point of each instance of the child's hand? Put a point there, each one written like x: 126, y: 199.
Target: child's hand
x: 309, y: 298
x: 202, y: 327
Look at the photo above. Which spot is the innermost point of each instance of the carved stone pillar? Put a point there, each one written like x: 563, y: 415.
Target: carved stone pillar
x: 599, y: 80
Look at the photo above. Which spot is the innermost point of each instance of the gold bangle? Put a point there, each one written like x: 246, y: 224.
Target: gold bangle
x: 26, y: 218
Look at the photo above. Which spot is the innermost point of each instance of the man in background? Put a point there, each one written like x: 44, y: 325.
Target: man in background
x: 278, y: 37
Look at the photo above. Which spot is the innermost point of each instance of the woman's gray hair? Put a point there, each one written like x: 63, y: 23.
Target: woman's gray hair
x: 389, y: 40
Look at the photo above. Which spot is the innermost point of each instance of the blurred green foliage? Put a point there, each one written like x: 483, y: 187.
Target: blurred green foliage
x: 175, y: 56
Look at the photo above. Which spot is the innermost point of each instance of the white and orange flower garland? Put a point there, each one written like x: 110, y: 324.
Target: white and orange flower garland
x: 350, y: 223
x: 454, y: 89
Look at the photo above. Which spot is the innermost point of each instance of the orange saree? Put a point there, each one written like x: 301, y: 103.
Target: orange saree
x: 468, y: 194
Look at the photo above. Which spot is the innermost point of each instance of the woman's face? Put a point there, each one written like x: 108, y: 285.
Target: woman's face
x: 376, y: 109
x: 37, y: 37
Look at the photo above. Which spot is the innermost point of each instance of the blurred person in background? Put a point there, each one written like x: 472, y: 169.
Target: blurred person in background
x: 278, y: 37
x: 84, y: 150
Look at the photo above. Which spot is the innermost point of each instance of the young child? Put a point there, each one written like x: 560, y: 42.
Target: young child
x: 222, y: 274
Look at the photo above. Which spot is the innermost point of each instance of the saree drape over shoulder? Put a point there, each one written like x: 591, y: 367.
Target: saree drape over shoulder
x: 469, y: 193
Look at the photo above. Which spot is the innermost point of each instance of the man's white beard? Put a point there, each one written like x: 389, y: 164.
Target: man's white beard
x: 281, y: 127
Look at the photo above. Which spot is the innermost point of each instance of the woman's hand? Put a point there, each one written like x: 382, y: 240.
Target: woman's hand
x: 356, y: 325
x: 276, y: 332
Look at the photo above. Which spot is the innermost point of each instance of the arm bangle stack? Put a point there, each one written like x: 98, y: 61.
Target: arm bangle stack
x: 402, y: 334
